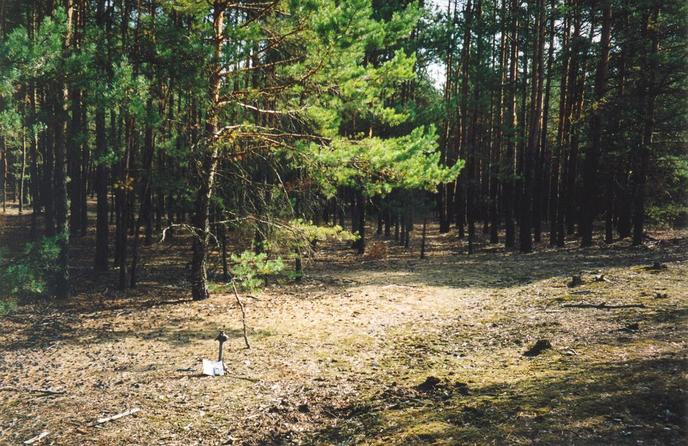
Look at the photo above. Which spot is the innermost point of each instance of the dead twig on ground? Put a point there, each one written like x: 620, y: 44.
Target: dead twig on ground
x: 37, y: 438
x: 602, y: 306
x: 116, y: 417
x: 32, y: 390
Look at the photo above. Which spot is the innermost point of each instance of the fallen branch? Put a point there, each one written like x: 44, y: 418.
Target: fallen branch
x: 37, y: 438
x: 32, y: 390
x: 243, y: 313
x: 115, y: 417
x: 603, y: 306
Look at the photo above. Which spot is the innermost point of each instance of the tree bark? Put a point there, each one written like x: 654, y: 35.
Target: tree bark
x: 59, y: 285
x: 3, y: 169
x: 473, y: 171
x: 497, y: 167
x: 74, y: 140
x: 508, y: 186
x: 525, y: 233
x: 647, y: 98
x: 361, y: 215
x: 22, y: 172
x: 589, y: 201
x: 48, y: 153
x: 564, y: 193
x: 541, y: 198
x: 443, y: 204
x: 209, y: 164
x: 33, y: 169
x: 102, y: 170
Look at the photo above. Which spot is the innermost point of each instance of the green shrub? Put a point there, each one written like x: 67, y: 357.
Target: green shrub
x: 25, y: 275
x: 669, y: 215
x: 6, y: 306
x: 250, y: 269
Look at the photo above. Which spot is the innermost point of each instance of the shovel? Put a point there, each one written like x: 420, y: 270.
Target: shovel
x: 216, y: 368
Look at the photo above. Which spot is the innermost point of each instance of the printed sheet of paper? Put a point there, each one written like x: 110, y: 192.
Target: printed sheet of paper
x: 213, y: 368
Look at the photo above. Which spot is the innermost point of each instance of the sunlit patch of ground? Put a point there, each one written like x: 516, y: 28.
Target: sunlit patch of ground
x: 342, y: 356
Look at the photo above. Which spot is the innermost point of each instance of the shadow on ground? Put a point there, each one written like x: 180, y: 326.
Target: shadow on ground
x: 606, y: 403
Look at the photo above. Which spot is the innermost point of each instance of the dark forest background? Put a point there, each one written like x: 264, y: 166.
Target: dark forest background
x: 267, y: 126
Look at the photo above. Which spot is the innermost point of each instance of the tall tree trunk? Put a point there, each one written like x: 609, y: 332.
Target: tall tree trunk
x: 618, y: 202
x: 525, y: 235
x: 86, y: 169
x: 144, y: 217
x: 74, y: 140
x: 33, y: 169
x: 199, y: 275
x: 123, y: 203
x: 461, y: 183
x: 48, y: 167
x: 509, y: 186
x: 647, y: 101
x: 564, y: 194
x: 589, y: 202
x: 443, y: 206
x: 74, y: 163
x: 22, y: 172
x: 102, y: 180
x: 558, y: 149
x: 497, y: 168
x: 473, y: 173
x: 540, y: 198
x: 572, y: 205
x: 423, y: 238
x: 388, y: 221
x: 522, y: 119
x: 102, y: 169
x: 360, y: 199
x: 59, y: 285
x: 3, y: 170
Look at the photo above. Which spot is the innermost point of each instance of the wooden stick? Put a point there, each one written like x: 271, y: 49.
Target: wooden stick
x: 115, y: 417
x: 243, y: 313
x: 37, y: 438
x: 603, y: 306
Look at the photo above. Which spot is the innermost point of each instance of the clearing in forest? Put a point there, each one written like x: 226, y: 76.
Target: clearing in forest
x: 387, y: 351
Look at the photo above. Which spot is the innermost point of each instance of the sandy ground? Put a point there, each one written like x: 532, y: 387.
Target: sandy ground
x: 389, y: 351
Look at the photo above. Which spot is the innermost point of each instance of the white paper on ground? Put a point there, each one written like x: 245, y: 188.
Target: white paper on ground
x: 213, y: 368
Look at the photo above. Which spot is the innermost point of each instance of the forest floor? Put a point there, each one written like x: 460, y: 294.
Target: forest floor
x: 385, y: 351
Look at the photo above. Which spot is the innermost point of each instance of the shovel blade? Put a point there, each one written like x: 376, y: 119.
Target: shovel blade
x: 213, y: 368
